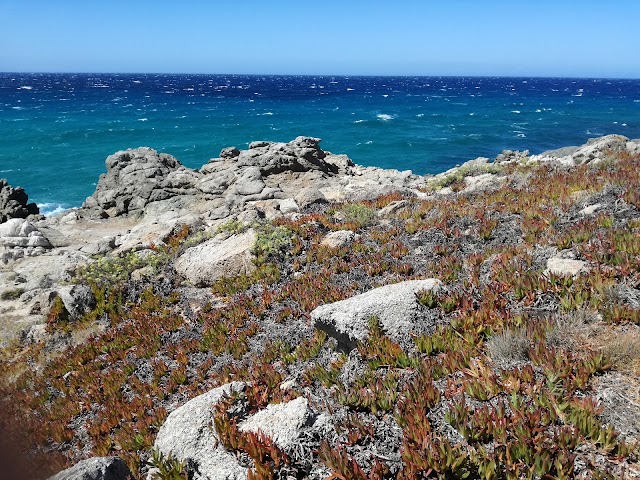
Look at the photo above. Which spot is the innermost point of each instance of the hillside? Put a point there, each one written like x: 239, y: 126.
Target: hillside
x: 283, y: 313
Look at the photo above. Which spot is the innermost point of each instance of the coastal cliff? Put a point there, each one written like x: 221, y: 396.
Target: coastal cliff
x: 284, y: 313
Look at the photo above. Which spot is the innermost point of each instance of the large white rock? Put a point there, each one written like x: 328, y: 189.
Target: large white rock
x: 395, y: 306
x: 282, y: 422
x: 591, y: 209
x: 566, y: 266
x: 188, y: 435
x: 17, y: 232
x: 96, y: 468
x: 338, y: 239
x: 15, y: 227
x: 288, y: 205
x: 205, y: 263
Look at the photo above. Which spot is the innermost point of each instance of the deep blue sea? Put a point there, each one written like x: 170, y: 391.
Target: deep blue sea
x: 57, y: 129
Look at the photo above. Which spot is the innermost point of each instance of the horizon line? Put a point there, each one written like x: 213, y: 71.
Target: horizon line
x: 323, y: 75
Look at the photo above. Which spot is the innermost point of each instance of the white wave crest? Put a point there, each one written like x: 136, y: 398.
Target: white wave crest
x: 385, y: 117
x: 50, y: 209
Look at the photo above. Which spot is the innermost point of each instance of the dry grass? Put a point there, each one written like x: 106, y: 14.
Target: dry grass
x: 509, y: 347
x: 623, y: 351
x: 569, y: 330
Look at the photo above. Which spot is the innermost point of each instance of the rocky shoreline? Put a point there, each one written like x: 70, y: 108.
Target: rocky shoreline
x: 242, y: 234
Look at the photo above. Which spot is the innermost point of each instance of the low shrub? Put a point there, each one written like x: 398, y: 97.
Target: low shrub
x: 355, y: 213
x: 11, y: 294
x: 271, y: 243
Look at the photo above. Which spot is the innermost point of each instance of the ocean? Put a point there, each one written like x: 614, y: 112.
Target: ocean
x: 57, y: 129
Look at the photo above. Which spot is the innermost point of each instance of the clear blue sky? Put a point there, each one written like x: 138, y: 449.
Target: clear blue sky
x: 402, y: 37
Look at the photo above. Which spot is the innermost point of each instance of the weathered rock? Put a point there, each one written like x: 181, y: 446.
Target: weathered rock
x: 136, y: 177
x: 309, y: 196
x: 97, y: 468
x: 561, y: 152
x: 591, y: 209
x: 77, y: 299
x: 288, y: 205
x: 47, y: 271
x: 144, y: 182
x: 188, y: 435
x: 16, y: 227
x: 36, y: 334
x: 566, y: 266
x: 105, y: 245
x: 301, y: 154
x: 205, y: 263
x: 250, y: 183
x: 14, y: 202
x: 18, y: 232
x: 338, y: 239
x: 393, y: 208
x: 282, y: 422
x: 600, y: 148
x: 594, y: 151
x: 509, y: 156
x: 229, y: 152
x: 395, y: 306
x: 482, y: 182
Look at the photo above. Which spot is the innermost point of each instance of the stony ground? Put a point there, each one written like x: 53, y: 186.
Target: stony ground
x: 521, y: 361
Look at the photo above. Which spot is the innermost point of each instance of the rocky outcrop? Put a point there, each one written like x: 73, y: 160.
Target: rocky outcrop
x: 14, y: 202
x: 290, y: 175
x: 97, y: 468
x: 482, y: 174
x: 595, y: 150
x: 135, y: 178
x: 188, y: 435
x: 395, y: 306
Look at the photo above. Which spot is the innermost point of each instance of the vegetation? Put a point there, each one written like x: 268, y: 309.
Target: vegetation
x: 11, y: 294
x: 455, y: 179
x: 502, y: 387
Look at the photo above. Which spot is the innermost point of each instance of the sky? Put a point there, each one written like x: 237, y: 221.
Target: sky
x: 348, y: 37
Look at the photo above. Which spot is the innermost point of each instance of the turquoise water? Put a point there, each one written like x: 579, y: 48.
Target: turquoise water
x: 57, y: 129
